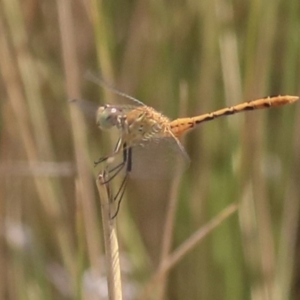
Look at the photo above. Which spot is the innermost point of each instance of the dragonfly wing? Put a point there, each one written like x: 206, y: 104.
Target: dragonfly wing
x: 99, y: 80
x: 89, y: 108
x: 158, y: 158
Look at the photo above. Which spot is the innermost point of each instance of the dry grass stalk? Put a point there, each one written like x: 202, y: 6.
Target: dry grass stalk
x: 110, y: 240
x: 186, y: 247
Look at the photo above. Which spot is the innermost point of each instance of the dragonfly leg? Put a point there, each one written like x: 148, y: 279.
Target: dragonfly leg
x: 100, y: 160
x: 117, y: 169
x: 116, y: 150
x: 119, y: 196
x: 114, y: 171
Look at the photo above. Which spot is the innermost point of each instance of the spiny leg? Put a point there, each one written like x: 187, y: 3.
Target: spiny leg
x: 118, y: 168
x: 119, y: 196
x: 100, y: 160
x: 116, y: 150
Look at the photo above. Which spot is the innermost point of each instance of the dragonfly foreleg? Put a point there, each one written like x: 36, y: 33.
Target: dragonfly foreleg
x: 100, y: 160
x: 116, y: 150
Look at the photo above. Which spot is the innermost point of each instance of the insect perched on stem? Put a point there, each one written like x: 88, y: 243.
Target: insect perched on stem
x: 148, y: 141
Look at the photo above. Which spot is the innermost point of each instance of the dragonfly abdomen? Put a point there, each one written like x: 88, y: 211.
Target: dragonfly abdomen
x: 182, y: 125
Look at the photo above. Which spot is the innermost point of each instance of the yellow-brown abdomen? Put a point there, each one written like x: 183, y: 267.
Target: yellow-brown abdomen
x: 182, y: 125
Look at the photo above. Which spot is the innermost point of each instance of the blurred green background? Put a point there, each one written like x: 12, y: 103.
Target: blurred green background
x: 184, y: 58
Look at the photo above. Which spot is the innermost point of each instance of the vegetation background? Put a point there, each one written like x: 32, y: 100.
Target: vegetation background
x: 183, y: 58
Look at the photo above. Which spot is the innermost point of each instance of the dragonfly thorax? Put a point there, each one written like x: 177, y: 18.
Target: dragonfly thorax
x: 143, y: 124
x: 108, y: 117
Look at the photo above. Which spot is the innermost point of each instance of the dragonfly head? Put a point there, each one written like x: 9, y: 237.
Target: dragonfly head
x: 108, y: 117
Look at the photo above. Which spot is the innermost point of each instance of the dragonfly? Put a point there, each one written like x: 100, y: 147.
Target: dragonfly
x: 149, y: 142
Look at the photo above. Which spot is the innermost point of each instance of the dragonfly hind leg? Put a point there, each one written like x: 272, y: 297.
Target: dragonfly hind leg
x: 119, y: 196
x: 114, y: 171
x: 127, y: 161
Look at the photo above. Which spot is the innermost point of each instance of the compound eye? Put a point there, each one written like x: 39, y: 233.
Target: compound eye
x: 107, y: 117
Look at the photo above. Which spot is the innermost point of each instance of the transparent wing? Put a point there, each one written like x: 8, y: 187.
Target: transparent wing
x: 99, y: 80
x: 158, y: 158
x: 90, y: 108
